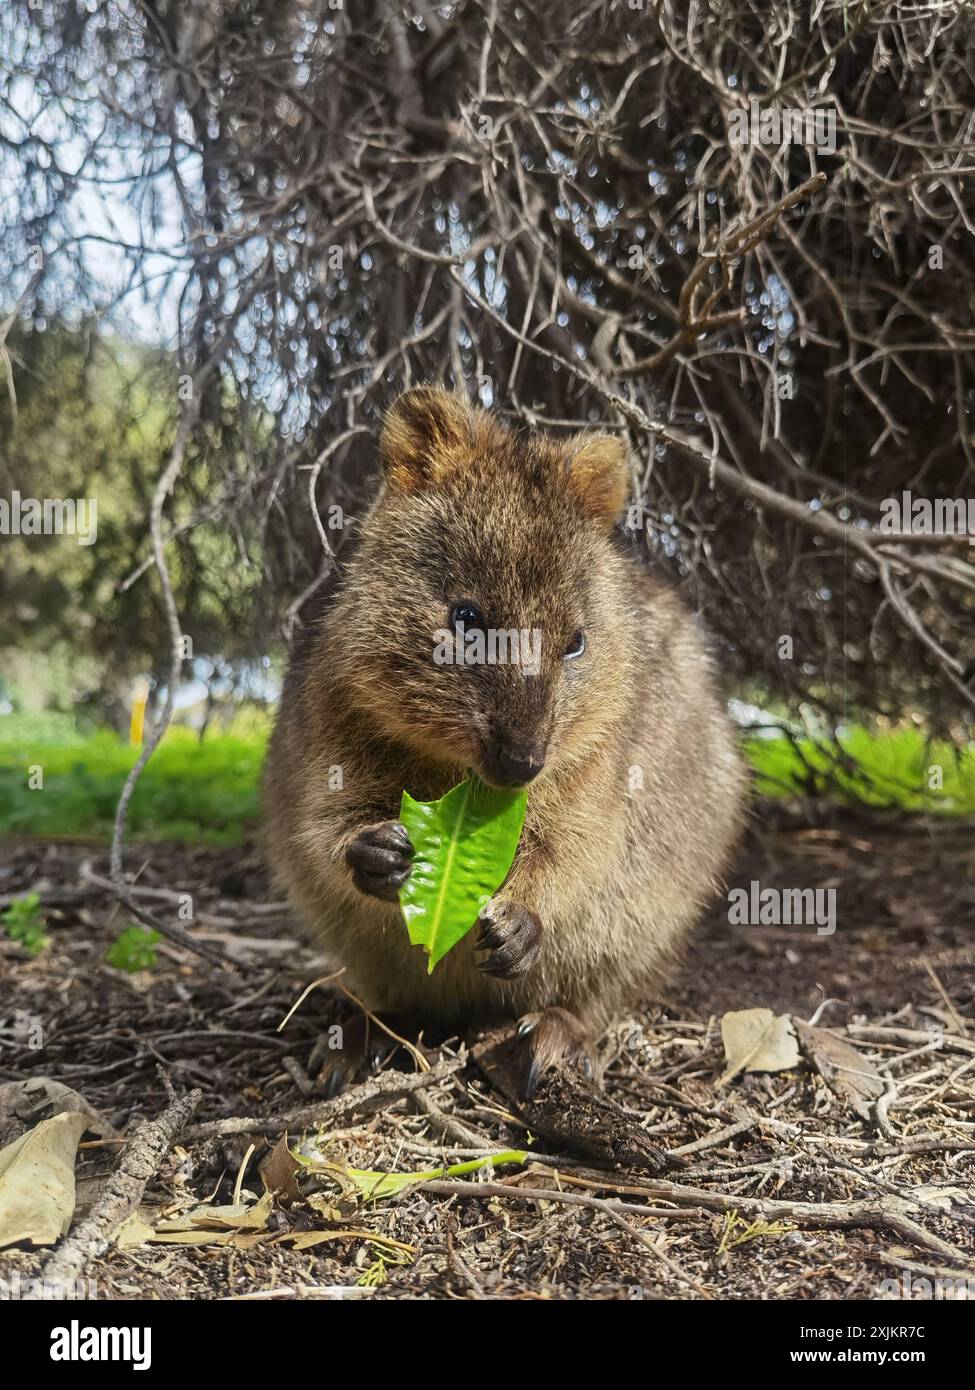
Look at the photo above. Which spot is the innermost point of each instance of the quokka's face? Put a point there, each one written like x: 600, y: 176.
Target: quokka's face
x: 483, y: 615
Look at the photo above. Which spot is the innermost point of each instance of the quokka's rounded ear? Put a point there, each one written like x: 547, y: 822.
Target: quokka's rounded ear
x: 422, y: 434
x: 597, y: 476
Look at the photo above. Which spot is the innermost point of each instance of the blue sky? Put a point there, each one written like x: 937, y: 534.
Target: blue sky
x: 106, y: 210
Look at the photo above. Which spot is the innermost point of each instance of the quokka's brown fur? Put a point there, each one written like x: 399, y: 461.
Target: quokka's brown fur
x: 630, y: 821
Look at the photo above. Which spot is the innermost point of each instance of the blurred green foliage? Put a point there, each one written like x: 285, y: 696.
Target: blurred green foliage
x: 134, y: 949
x: 196, y: 791
x: 94, y: 417
x: 901, y: 769
x: 24, y: 924
x: 209, y: 791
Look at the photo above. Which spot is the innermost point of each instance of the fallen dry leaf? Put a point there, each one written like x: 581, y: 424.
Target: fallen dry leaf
x: 278, y: 1172
x: 40, y: 1098
x: 37, y: 1192
x: 133, y: 1232
x: 238, y: 1240
x: 939, y: 1195
x: 757, y: 1040
x: 241, y: 1216
x: 848, y: 1075
x: 241, y: 1225
x: 327, y: 1207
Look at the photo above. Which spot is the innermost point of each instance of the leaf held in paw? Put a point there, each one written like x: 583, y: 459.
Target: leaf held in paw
x: 465, y: 844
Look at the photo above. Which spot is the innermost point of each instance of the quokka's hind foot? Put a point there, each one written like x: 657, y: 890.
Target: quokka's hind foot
x: 357, y: 1048
x: 557, y: 1041
x: 552, y: 1077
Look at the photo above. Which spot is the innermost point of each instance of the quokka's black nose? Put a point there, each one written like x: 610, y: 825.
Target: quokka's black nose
x: 517, y: 769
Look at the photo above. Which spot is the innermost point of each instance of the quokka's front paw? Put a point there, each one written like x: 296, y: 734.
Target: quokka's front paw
x: 511, y: 935
x: 380, y: 859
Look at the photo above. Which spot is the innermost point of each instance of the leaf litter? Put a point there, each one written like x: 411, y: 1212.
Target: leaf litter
x: 824, y: 1191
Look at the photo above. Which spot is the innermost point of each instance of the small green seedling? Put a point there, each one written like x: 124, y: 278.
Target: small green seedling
x: 133, y: 949
x: 738, y: 1231
x: 465, y: 844
x: 375, y: 1275
x: 25, y: 925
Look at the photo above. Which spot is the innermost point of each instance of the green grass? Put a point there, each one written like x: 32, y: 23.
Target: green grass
x: 19, y: 732
x: 896, y: 769
x: 209, y: 792
x: 205, y: 792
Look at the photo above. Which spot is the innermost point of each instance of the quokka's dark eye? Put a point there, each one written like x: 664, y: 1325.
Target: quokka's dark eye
x: 576, y: 647
x: 466, y: 615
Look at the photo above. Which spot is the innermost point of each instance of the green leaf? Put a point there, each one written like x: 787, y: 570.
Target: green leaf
x: 25, y: 924
x: 465, y: 844
x: 134, y: 949
x: 370, y: 1186
x: 23, y: 909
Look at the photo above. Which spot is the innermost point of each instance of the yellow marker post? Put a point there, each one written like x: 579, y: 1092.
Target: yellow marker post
x: 140, y: 697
